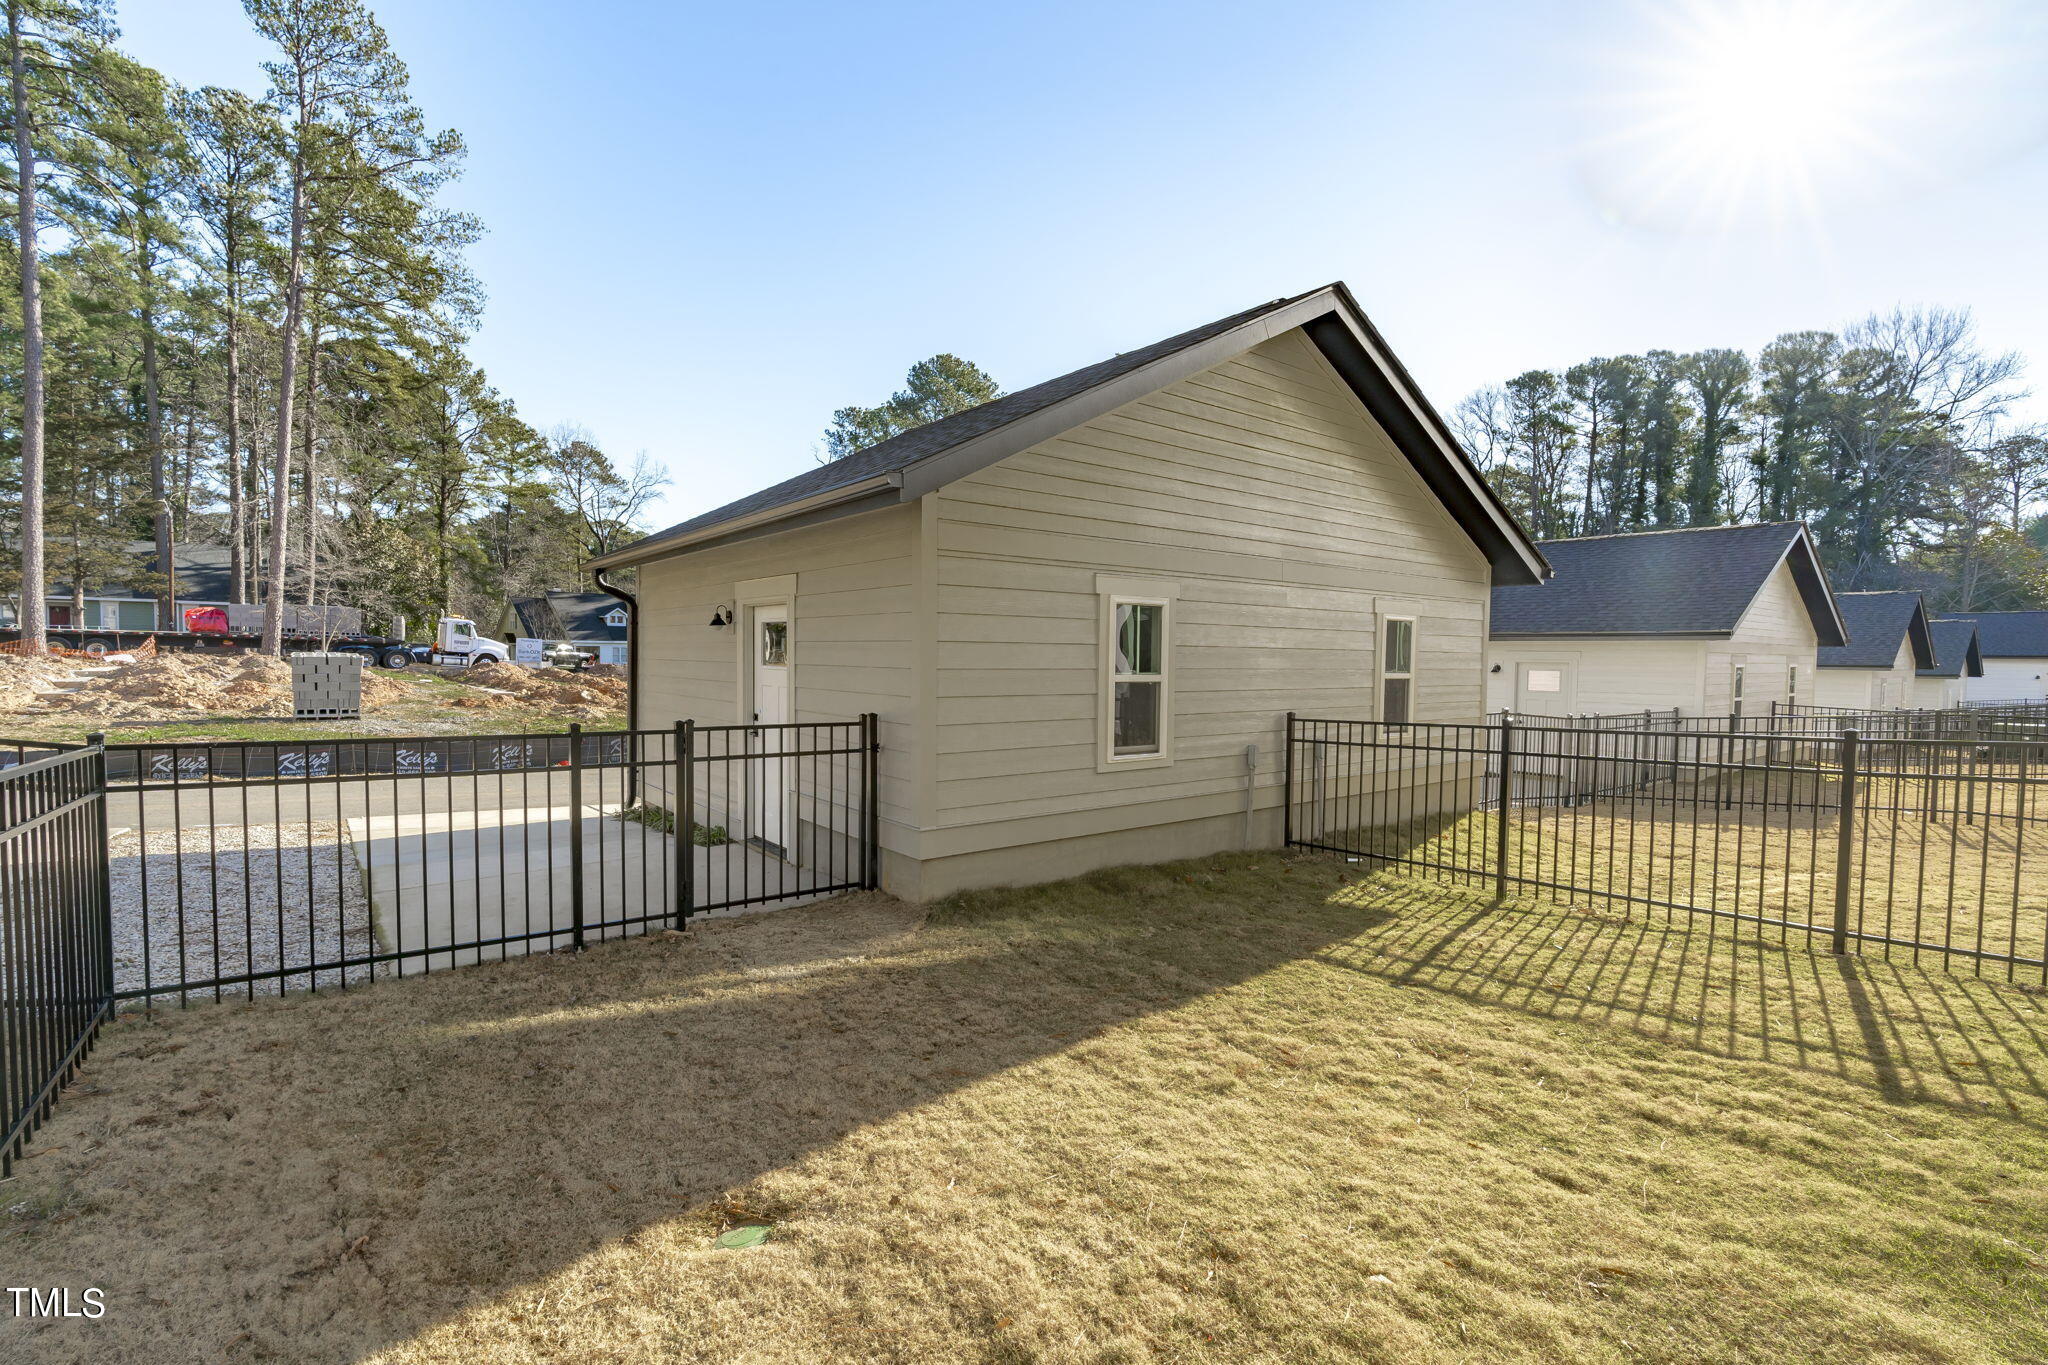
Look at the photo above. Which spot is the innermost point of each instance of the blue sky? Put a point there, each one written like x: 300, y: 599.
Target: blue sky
x: 709, y: 225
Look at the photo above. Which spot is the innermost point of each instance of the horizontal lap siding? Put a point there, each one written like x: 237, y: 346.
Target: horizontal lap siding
x: 2009, y: 680
x: 1774, y: 635
x: 1285, y: 518
x: 1859, y: 687
x: 1612, y: 677
x: 851, y: 645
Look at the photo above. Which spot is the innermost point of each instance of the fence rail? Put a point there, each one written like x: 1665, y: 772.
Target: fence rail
x: 1902, y: 845
x: 56, y: 984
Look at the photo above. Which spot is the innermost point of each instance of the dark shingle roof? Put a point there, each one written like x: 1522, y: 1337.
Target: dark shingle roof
x: 569, y: 616
x: 2008, y: 634
x: 202, y: 575
x: 1691, y: 582
x: 899, y: 452
x: 1878, y: 623
x: 1955, y: 650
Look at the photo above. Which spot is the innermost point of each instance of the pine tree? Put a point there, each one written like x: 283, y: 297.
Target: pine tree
x: 54, y: 48
x: 934, y: 388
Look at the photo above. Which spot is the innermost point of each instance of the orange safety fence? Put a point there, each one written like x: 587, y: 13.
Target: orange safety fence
x: 145, y: 650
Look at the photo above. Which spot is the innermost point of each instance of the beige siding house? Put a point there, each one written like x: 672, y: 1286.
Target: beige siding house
x: 1710, y: 621
x: 1083, y: 611
x: 1957, y: 659
x: 1888, y: 645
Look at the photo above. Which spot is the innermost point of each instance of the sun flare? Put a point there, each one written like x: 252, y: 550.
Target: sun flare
x: 1717, y: 112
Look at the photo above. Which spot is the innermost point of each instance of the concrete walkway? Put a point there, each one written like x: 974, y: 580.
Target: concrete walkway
x: 440, y: 878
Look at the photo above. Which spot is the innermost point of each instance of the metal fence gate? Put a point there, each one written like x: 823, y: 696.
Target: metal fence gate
x: 56, y: 966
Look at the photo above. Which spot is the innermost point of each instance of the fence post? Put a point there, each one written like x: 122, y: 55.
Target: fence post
x: 105, y: 981
x: 1287, y: 786
x: 576, y: 833
x: 871, y: 759
x: 1845, y: 838
x: 683, y: 810
x: 1501, y: 807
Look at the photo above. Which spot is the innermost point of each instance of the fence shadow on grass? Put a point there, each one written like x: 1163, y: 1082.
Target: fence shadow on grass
x: 1909, y: 1034
x: 329, y: 1176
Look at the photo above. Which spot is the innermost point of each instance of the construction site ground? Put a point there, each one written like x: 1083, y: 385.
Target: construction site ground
x: 183, y: 696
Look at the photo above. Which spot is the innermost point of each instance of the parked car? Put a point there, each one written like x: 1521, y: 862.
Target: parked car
x: 562, y: 654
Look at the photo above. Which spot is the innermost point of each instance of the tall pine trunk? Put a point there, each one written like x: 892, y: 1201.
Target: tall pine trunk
x: 238, y: 507
x: 287, y: 378
x: 310, y: 510
x: 34, y: 619
x: 153, y: 434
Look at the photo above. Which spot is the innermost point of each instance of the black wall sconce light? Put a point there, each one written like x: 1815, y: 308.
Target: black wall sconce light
x: 721, y: 617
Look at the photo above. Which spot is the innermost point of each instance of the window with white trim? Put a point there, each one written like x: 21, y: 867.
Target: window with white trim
x: 1792, y: 684
x: 615, y: 617
x: 1137, y: 702
x: 1397, y: 669
x: 1735, y: 686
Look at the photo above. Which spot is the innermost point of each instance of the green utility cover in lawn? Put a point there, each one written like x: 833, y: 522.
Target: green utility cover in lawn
x: 752, y: 1235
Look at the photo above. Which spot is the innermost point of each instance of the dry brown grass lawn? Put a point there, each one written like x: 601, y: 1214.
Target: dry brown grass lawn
x: 1234, y: 1111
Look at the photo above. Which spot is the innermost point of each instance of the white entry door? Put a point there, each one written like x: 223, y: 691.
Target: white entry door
x: 768, y: 777
x: 1546, y: 689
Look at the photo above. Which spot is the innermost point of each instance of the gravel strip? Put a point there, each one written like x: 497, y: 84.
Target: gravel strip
x: 288, y: 896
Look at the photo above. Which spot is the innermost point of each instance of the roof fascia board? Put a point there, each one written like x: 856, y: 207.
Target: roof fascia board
x: 886, y: 485
x: 1391, y: 395
x: 1810, y: 553
x: 1920, y: 636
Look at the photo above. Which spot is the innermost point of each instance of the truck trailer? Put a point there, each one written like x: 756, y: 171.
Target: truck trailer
x: 238, y: 629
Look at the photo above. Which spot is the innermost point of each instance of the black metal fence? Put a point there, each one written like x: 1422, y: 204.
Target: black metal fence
x: 1907, y: 846
x: 1978, y: 720
x: 264, y: 866
x: 56, y: 981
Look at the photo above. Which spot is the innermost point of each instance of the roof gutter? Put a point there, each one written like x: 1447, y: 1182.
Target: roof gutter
x: 632, y: 606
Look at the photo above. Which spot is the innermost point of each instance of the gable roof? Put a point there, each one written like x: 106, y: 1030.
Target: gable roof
x: 1877, y: 622
x: 2008, y: 634
x: 570, y: 616
x: 1955, y: 650
x: 1697, y: 581
x: 904, y: 468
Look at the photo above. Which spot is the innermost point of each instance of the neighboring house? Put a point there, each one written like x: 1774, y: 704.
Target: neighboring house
x: 1076, y: 608
x: 2015, y: 649
x: 595, y: 621
x: 1956, y: 660
x: 1889, y: 645
x: 202, y: 581
x: 1711, y: 621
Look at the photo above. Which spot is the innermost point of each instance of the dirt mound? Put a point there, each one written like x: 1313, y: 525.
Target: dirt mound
x: 22, y: 676
x: 605, y: 671
x: 177, y: 686
x: 574, y: 695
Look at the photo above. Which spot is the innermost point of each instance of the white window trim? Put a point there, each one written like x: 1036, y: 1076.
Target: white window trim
x: 1113, y: 590
x: 615, y: 617
x: 1379, y: 691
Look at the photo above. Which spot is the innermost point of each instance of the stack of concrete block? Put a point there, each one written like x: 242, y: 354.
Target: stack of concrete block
x: 327, y: 686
